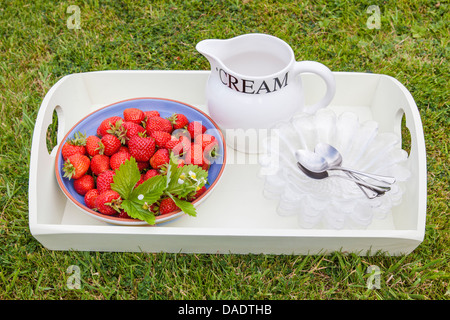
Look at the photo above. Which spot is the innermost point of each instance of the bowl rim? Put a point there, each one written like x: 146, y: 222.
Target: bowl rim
x: 130, y: 221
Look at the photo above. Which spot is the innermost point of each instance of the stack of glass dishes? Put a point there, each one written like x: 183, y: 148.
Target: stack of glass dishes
x: 332, y: 203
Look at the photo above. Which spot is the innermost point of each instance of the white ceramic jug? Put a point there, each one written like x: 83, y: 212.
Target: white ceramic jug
x: 254, y: 83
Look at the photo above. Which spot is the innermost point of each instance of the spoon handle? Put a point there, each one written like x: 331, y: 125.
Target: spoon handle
x: 377, y: 188
x: 369, y: 192
x: 385, y: 179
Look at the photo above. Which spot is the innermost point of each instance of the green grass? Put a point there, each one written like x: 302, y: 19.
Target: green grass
x: 37, y: 49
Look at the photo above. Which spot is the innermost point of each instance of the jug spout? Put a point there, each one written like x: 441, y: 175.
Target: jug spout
x: 211, y: 49
x: 250, y: 55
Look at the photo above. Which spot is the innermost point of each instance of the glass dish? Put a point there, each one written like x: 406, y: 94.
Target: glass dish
x: 332, y: 203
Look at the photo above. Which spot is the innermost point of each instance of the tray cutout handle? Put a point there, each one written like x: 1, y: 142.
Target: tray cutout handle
x: 54, y: 130
x: 402, y: 130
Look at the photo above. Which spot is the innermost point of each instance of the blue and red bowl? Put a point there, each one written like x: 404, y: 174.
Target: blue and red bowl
x: 166, y: 108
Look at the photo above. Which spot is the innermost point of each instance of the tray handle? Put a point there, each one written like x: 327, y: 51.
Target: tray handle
x: 55, y: 125
x: 42, y: 187
x: 47, y: 125
x: 402, y: 129
x: 57, y: 101
x: 392, y: 102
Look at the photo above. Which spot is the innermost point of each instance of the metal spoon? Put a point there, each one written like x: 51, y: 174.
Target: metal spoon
x: 324, y: 175
x: 337, y: 161
x: 334, y: 159
x: 317, y: 163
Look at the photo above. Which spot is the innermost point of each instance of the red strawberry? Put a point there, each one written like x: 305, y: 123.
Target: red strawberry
x: 76, y: 166
x: 107, y: 125
x: 118, y: 158
x: 171, y: 143
x: 84, y: 184
x: 195, y: 155
x: 205, y: 139
x: 104, y: 180
x: 108, y: 202
x: 150, y: 173
x: 158, y: 124
x: 151, y: 113
x: 141, y: 180
x: 141, y: 148
x: 154, y: 208
x: 123, y: 148
x: 100, y: 163
x: 69, y: 149
x: 159, y: 158
x: 198, y: 193
x: 167, y: 205
x: 109, y: 144
x: 142, y: 165
x: 118, y: 130
x: 133, y: 115
x: 179, y: 146
x: 124, y: 215
x: 92, y: 145
x: 74, y: 145
x: 178, y: 120
x: 195, y: 127
x: 132, y: 129
x: 210, y: 152
x: 89, y: 198
x: 181, y: 163
x: 161, y: 137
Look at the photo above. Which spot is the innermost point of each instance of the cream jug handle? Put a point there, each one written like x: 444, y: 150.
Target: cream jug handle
x: 325, y: 74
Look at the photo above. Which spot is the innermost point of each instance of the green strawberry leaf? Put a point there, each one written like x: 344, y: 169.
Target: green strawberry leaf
x: 177, y: 183
x: 171, y: 167
x: 185, y: 206
x: 135, y: 210
x: 186, y: 179
x: 126, y: 178
x: 79, y: 139
x: 149, y: 191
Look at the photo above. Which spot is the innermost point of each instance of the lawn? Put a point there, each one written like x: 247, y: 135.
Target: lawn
x: 37, y: 48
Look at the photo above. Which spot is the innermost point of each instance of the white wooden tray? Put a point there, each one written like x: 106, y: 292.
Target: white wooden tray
x: 236, y: 218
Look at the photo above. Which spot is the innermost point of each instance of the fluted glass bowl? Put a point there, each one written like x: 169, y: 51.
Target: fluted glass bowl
x: 332, y: 203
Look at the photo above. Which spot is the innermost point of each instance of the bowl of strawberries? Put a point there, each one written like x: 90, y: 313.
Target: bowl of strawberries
x: 142, y: 161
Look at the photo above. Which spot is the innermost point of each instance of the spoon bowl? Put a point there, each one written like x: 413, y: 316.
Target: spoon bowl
x: 312, y: 161
x: 330, y: 153
x: 311, y: 174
